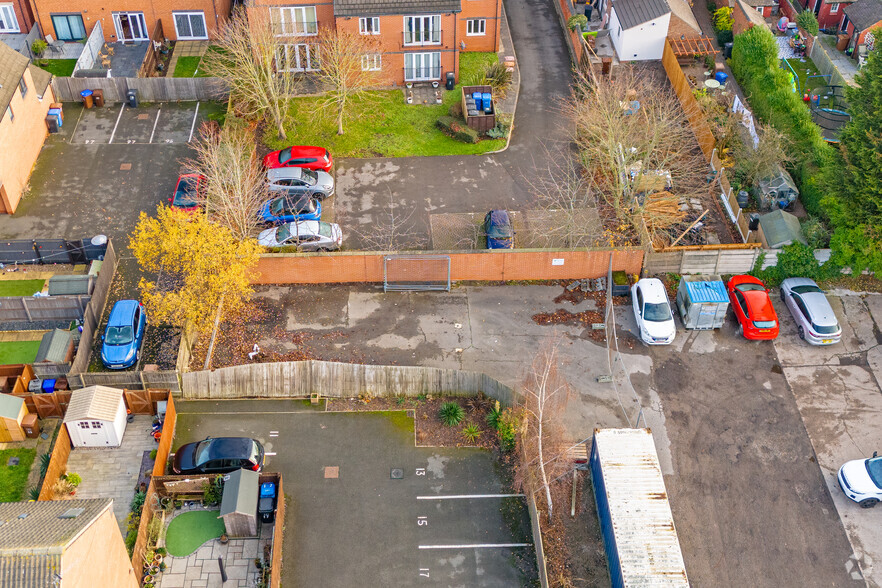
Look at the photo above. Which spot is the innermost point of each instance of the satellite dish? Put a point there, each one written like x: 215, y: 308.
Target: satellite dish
x: 99, y: 240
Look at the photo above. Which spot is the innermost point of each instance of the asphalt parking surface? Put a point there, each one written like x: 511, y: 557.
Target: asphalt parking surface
x: 446, y: 522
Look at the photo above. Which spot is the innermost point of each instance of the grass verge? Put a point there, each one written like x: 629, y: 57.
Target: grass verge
x: 14, y: 479
x: 63, y: 68
x: 189, y: 530
x: 12, y: 352
x: 20, y: 287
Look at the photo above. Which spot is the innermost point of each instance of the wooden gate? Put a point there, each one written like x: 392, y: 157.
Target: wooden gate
x: 47, y: 406
x: 138, y: 401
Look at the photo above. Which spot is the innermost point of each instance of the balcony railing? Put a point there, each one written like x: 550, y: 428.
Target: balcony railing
x: 422, y: 74
x: 296, y: 28
x: 423, y: 37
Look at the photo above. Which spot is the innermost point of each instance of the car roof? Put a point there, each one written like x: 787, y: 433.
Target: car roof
x: 230, y: 447
x: 280, y: 173
x: 758, y: 300
x: 653, y: 290
x: 820, y: 309
x: 793, y: 282
x: 122, y: 313
x: 499, y: 217
x: 304, y: 227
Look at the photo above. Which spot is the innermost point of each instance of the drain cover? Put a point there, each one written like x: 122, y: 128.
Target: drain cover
x: 332, y: 472
x: 13, y: 461
x: 396, y: 474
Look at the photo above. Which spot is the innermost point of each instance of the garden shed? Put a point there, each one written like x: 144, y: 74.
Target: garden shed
x: 638, y: 28
x: 12, y: 412
x: 96, y: 417
x: 56, y: 346
x: 239, y: 504
x: 780, y: 228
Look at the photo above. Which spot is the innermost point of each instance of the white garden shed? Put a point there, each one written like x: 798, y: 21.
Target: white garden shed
x: 96, y: 417
x: 638, y: 28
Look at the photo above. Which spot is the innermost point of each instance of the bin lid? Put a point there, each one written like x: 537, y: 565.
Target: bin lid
x: 85, y: 93
x: 707, y: 291
x: 485, y: 95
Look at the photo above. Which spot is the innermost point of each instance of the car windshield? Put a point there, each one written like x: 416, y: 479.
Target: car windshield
x: 277, y: 205
x: 186, y: 192
x: 749, y: 287
x: 255, y: 452
x: 282, y: 233
x: 874, y: 468
x: 807, y: 288
x: 325, y: 229
x: 203, y: 453
x: 309, y: 176
x: 764, y: 324
x: 825, y: 329
x: 284, y: 155
x: 657, y: 313
x: 119, y: 335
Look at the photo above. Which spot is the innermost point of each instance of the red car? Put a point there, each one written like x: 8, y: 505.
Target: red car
x: 186, y: 191
x: 753, y: 308
x: 300, y: 156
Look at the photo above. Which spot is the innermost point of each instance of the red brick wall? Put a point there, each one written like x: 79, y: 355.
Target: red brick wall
x: 491, y: 11
x: 23, y: 14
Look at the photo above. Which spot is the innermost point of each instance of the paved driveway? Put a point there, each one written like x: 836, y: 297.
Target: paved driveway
x: 472, y: 183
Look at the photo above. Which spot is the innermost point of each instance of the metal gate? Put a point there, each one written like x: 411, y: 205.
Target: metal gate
x: 416, y: 272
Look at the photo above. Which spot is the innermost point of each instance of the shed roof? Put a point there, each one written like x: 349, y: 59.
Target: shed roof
x: 392, y: 7
x: 94, y: 402
x: 10, y: 406
x: 864, y: 13
x: 12, y: 66
x: 54, y: 346
x: 781, y: 228
x: 634, y: 13
x: 240, y: 493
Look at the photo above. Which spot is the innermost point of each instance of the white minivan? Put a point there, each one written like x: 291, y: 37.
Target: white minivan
x: 652, y: 310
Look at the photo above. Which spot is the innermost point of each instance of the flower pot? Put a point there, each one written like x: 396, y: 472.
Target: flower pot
x: 224, y: 539
x: 409, y: 84
x: 157, y: 559
x: 434, y: 84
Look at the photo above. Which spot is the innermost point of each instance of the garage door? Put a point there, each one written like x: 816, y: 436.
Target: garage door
x: 94, y: 433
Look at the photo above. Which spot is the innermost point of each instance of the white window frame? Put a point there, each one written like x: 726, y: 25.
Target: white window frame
x: 7, y: 19
x: 834, y: 7
x: 138, y: 17
x: 293, y: 53
x: 188, y: 14
x: 422, y: 58
x: 431, y: 20
x: 369, y: 25
x: 476, y: 27
x: 296, y: 20
x: 372, y: 62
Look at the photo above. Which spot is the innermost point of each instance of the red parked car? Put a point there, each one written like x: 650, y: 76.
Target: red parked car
x: 300, y: 156
x: 186, y: 191
x: 753, y: 308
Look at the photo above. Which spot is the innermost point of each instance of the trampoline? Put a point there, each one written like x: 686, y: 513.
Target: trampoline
x: 829, y: 110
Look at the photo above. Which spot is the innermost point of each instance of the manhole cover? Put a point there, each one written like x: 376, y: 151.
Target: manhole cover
x: 125, y: 167
x: 332, y: 472
x: 13, y: 461
x: 143, y: 116
x: 397, y: 473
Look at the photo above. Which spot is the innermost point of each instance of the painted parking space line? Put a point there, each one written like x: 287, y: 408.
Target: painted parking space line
x: 193, y: 126
x: 156, y: 122
x: 270, y: 453
x: 117, y: 122
x: 76, y: 126
x: 477, y: 546
x: 467, y: 496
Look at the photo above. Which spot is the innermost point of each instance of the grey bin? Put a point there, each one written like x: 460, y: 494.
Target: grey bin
x: 702, y: 302
x: 132, y: 98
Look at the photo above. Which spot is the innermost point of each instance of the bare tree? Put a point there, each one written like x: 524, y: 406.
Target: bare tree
x: 758, y: 162
x: 635, y: 143
x: 234, y: 187
x: 392, y: 230
x: 252, y: 62
x: 349, y: 65
x: 545, y: 393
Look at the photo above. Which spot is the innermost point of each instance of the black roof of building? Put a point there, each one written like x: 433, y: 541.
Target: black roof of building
x: 864, y: 13
x: 632, y: 13
x: 387, y: 7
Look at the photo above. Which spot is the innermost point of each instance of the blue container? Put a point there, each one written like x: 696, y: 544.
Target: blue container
x: 268, y: 490
x: 48, y: 386
x: 488, y: 103
x: 721, y: 77
x: 56, y: 112
x: 477, y: 97
x: 85, y: 93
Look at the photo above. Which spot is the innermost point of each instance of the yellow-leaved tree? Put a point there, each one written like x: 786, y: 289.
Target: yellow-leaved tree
x: 199, y: 272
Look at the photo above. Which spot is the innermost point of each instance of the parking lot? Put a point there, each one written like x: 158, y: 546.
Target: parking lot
x: 450, y: 520
x: 162, y: 124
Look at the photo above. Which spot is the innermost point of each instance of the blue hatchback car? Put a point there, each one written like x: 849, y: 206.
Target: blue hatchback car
x: 122, y: 338
x: 291, y: 207
x: 497, y: 226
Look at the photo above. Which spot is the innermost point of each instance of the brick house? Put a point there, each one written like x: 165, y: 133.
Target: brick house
x: 70, y: 543
x: 420, y: 40
x: 16, y: 16
x: 25, y: 96
x: 860, y: 18
x: 131, y: 20
x: 829, y: 13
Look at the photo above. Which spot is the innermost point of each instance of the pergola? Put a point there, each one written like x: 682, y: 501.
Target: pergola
x: 687, y: 47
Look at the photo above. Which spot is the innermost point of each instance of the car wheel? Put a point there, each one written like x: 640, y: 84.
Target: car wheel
x: 868, y: 503
x: 740, y: 329
x: 801, y: 332
x: 322, y: 249
x: 781, y: 292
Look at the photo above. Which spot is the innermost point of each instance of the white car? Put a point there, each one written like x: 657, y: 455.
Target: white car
x: 816, y: 323
x: 299, y: 180
x: 652, y: 310
x: 309, y: 235
x: 861, y: 480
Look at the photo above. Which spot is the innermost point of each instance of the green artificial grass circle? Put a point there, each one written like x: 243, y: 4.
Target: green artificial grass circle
x: 188, y: 531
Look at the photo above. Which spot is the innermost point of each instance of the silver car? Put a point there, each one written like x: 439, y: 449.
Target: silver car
x: 299, y: 180
x: 307, y: 235
x: 814, y: 316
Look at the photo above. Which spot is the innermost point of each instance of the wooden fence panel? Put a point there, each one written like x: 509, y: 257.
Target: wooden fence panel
x: 700, y: 126
x: 149, y: 89
x: 48, y: 308
x: 94, y: 310
x: 165, y: 441
x: 138, y: 401
x: 57, y: 464
x: 151, y: 506
x: 715, y: 261
x: 278, y: 537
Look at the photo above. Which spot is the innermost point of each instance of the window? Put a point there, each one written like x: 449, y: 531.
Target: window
x: 68, y: 27
x: 834, y: 8
x: 372, y: 62
x: 294, y: 20
x: 23, y: 86
x: 83, y: 424
x: 422, y: 30
x: 476, y: 26
x: 10, y: 113
x: 369, y: 25
x: 190, y: 25
x: 422, y: 66
x: 8, y: 22
x: 300, y: 57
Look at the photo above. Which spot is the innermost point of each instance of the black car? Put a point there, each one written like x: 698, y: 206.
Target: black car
x: 219, y: 455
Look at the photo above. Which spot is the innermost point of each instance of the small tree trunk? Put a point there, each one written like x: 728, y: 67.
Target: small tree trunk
x: 280, y: 122
x: 340, y: 120
x: 542, y: 469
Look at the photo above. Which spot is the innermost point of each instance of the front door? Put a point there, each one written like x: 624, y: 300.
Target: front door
x: 300, y: 57
x: 305, y: 56
x: 130, y: 26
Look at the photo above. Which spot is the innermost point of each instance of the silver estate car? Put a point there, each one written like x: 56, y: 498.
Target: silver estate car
x: 811, y: 310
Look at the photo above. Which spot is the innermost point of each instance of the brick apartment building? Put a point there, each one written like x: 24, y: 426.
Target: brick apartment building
x: 420, y: 39
x: 25, y: 96
x: 15, y: 17
x: 130, y: 20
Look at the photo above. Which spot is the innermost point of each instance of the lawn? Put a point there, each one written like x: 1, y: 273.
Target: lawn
x: 63, y: 68
x: 188, y: 67
x: 382, y: 124
x: 189, y: 530
x: 803, y: 70
x: 20, y: 287
x: 12, y: 352
x: 14, y: 479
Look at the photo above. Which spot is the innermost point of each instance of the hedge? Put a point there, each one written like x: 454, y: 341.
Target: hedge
x: 458, y: 129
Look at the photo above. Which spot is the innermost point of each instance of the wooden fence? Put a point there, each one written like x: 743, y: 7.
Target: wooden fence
x: 43, y: 308
x: 94, y: 310
x: 738, y: 259
x: 189, y: 336
x: 148, y: 68
x: 149, y: 89
x: 133, y: 380
x: 165, y: 441
x: 57, y: 464
x: 150, y: 508
x: 730, y: 203
x: 278, y: 536
x: 338, y: 380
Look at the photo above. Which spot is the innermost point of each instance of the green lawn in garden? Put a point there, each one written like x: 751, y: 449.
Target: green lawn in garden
x: 382, y: 124
x: 14, y: 479
x: 12, y: 352
x: 189, y: 530
x: 803, y: 70
x: 189, y: 66
x: 20, y: 287
x: 63, y: 68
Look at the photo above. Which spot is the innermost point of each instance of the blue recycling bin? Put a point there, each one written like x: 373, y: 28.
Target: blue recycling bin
x: 48, y: 386
x: 721, y: 77
x: 488, y: 103
x: 267, y: 490
x: 477, y: 97
x: 56, y: 114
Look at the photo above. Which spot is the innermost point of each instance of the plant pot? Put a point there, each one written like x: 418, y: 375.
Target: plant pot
x: 157, y: 559
x: 224, y: 539
x: 435, y: 85
x: 620, y: 285
x: 409, y: 85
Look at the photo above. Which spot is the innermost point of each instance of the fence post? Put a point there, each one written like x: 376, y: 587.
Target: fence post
x: 24, y: 304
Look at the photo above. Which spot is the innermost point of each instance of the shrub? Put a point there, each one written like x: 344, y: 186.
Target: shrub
x: 39, y: 46
x: 808, y: 21
x: 153, y: 453
x: 34, y: 493
x: 723, y: 20
x: 492, y: 417
x: 577, y: 22
x: 455, y: 110
x: 471, y: 432
x: 451, y: 414
x: 44, y: 464
x: 73, y: 479
x: 507, y: 430
x: 137, y: 502
x: 709, y: 61
x: 817, y: 235
x: 458, y: 130
x: 724, y: 37
x: 796, y: 260
x: 499, y: 78
x: 213, y: 491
